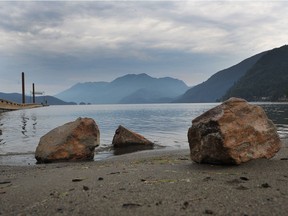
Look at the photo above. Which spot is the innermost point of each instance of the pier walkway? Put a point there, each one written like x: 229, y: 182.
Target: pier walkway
x: 6, y: 105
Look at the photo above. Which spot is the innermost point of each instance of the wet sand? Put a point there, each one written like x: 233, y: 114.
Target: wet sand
x: 147, y: 183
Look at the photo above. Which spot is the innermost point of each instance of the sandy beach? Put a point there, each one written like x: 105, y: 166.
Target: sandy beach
x: 147, y: 183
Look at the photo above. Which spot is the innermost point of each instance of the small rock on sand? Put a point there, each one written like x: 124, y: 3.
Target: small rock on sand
x: 124, y: 137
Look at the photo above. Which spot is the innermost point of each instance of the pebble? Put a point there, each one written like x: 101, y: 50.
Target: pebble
x: 244, y: 178
x: 207, y: 211
x: 130, y: 205
x: 265, y: 185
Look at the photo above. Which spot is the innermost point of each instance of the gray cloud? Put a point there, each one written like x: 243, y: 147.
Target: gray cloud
x: 60, y: 43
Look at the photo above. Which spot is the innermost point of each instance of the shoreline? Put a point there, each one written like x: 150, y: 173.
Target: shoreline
x: 101, y: 154
x: 28, y: 159
x: 162, y: 182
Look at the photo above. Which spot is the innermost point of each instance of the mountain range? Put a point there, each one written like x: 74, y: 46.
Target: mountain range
x: 131, y: 88
x: 262, y: 77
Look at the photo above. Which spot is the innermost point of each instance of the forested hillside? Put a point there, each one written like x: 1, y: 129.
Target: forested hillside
x: 217, y: 85
x: 267, y: 80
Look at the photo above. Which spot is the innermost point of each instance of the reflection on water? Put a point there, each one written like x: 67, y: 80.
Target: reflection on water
x: 34, y: 123
x: 24, y: 120
x: 164, y: 124
x: 131, y: 149
x: 18, y: 128
x: 1, y: 132
x: 105, y: 151
x: 28, y: 124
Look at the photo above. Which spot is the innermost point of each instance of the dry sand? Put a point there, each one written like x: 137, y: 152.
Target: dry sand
x: 147, y: 183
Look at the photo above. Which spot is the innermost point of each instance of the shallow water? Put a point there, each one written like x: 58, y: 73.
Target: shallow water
x: 164, y: 124
x: 278, y: 113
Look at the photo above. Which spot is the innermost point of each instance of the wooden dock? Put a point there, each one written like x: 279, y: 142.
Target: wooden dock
x: 6, y: 105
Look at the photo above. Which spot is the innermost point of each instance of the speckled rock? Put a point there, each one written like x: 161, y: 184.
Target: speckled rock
x: 233, y: 133
x: 72, y: 141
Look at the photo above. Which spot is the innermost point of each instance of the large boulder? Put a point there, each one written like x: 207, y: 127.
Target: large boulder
x: 75, y: 140
x: 232, y: 133
x: 124, y: 137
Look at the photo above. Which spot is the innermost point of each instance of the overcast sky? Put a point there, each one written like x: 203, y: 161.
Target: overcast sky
x: 58, y: 44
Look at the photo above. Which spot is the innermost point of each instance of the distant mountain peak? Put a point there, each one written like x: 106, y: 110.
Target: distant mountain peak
x: 133, y: 76
x: 143, y: 75
x: 127, y: 87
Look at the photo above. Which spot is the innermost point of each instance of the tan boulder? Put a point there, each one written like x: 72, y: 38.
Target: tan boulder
x: 75, y: 140
x: 232, y: 133
x: 124, y: 137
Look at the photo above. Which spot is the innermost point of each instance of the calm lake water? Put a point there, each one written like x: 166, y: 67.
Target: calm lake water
x: 164, y: 124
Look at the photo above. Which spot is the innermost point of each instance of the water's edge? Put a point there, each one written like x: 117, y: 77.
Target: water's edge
x: 164, y: 124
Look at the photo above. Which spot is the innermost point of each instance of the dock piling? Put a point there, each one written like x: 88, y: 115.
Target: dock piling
x: 23, y: 88
x: 33, y: 92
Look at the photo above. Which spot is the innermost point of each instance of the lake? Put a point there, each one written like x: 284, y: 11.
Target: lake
x: 164, y: 124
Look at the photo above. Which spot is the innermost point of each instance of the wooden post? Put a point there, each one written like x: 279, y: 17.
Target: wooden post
x: 33, y: 92
x: 23, y: 88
